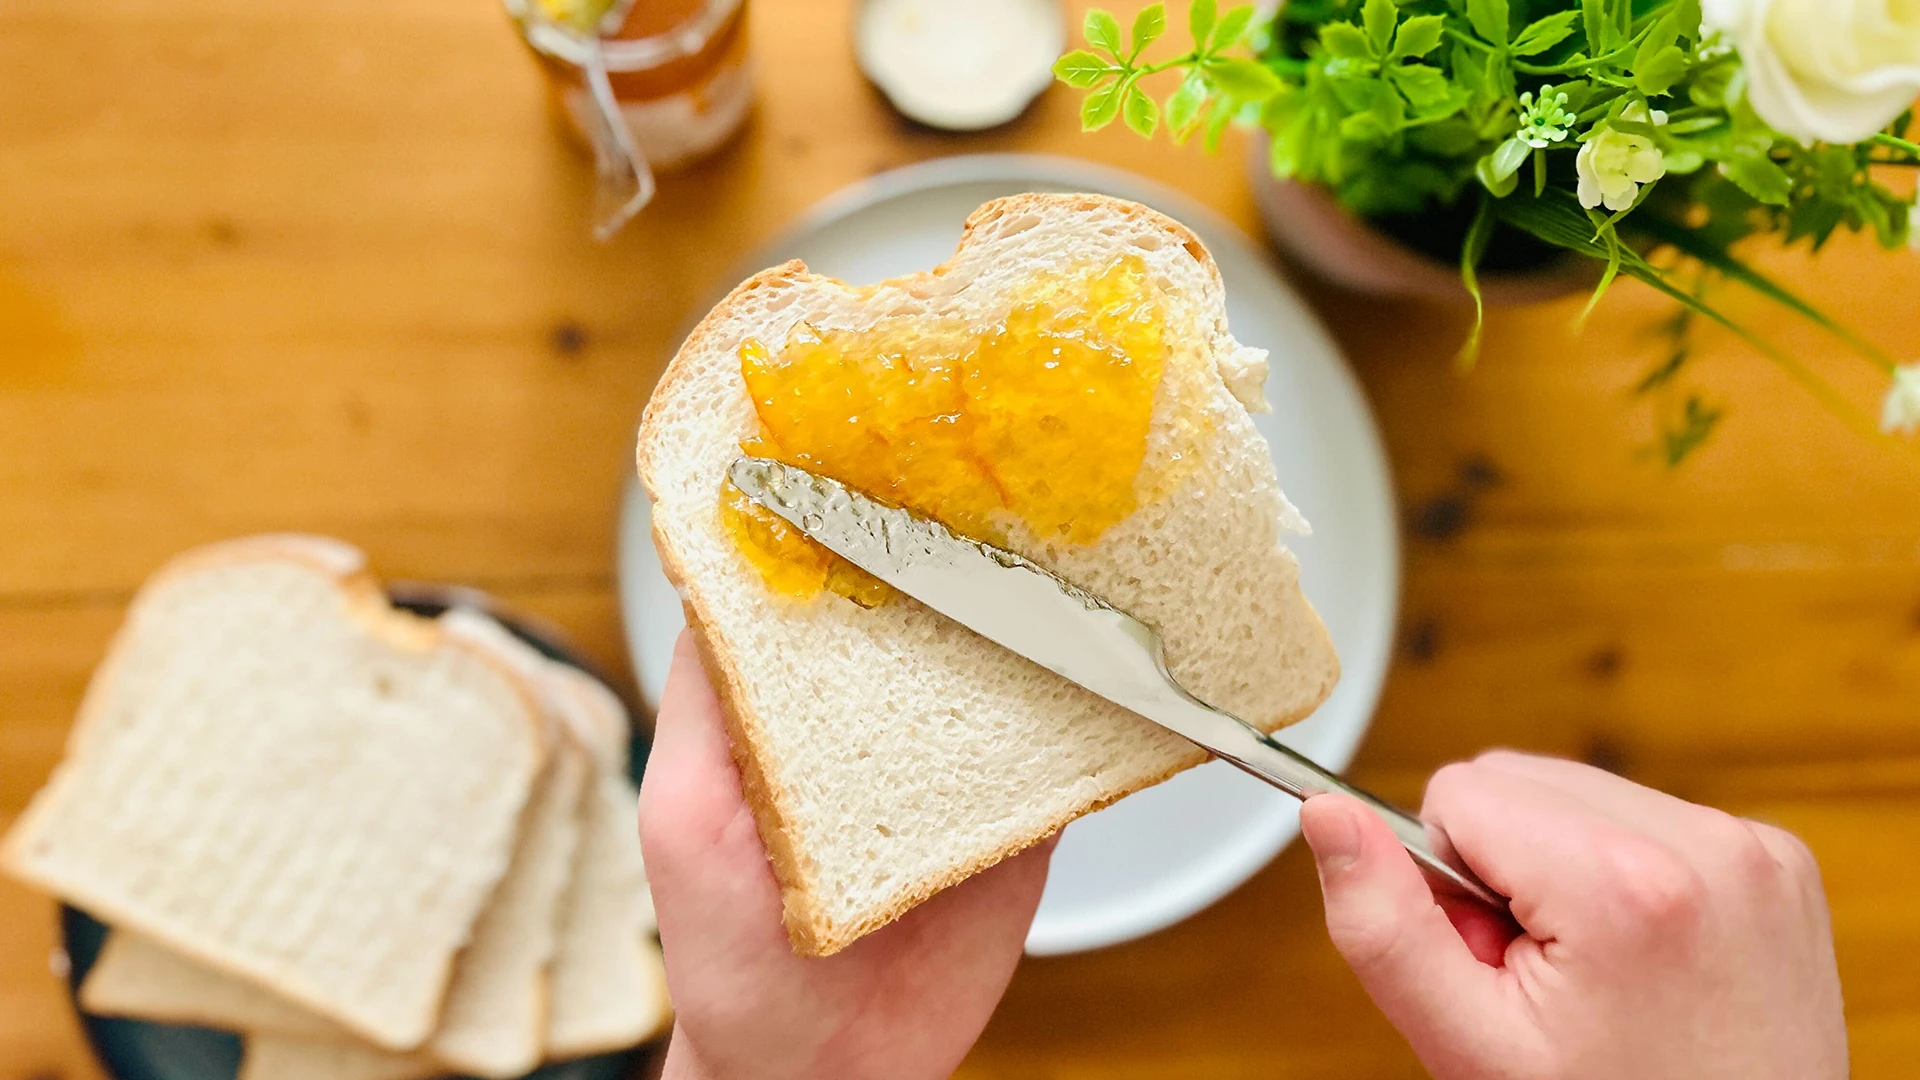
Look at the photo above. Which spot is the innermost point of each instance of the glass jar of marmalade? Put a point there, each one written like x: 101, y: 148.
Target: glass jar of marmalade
x: 647, y: 85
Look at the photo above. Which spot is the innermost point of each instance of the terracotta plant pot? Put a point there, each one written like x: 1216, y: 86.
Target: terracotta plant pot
x: 1311, y: 229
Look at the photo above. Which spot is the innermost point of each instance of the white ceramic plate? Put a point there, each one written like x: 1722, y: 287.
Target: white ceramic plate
x: 1163, y: 854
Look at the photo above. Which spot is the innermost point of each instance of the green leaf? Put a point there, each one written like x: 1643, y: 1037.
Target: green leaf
x: 1658, y: 63
x: 1472, y: 250
x: 1283, y: 117
x: 1594, y: 14
x: 1759, y: 177
x: 1656, y: 74
x: 1243, y: 80
x: 1469, y: 70
x: 1102, y: 105
x: 1378, y: 110
x: 1102, y: 31
x: 1217, y: 122
x: 1418, y: 36
x: 1499, y: 186
x: 1448, y: 138
x: 1425, y: 87
x: 1141, y: 114
x: 1200, y: 18
x: 1545, y: 33
x: 1500, y: 78
x: 1508, y: 157
x: 1183, y: 106
x: 1355, y: 95
x: 1603, y: 228
x: 1232, y: 27
x: 1687, y: 16
x: 1346, y: 41
x: 1080, y: 68
x: 1682, y: 158
x: 1380, y: 16
x: 1489, y: 19
x: 1148, y: 26
x: 1709, y: 88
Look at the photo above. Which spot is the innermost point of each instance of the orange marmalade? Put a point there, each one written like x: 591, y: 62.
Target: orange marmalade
x: 1038, y: 423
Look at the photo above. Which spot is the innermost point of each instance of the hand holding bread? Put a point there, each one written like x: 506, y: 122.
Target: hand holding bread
x: 903, y: 1003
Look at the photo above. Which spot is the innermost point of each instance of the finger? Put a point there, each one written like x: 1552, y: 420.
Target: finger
x: 690, y: 776
x: 1628, y: 803
x: 971, y: 934
x: 1383, y: 920
x: 1712, y: 839
x: 1486, y: 932
x: 1570, y: 871
x: 697, y: 834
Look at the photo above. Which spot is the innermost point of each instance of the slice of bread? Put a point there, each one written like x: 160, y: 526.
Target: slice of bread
x: 554, y: 968
x: 138, y: 977
x: 888, y: 753
x: 214, y: 798
x: 609, y: 986
x: 287, y: 1057
x: 494, y: 1024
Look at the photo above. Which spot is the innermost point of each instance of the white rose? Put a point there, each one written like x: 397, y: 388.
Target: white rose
x: 1902, y: 409
x: 1613, y: 164
x: 1825, y: 70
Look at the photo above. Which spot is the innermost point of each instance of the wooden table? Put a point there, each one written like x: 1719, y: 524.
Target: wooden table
x: 325, y: 266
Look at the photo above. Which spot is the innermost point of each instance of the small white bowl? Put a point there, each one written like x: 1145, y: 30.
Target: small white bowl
x: 961, y: 65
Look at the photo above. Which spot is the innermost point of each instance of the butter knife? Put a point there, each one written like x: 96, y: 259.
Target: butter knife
x: 1019, y: 605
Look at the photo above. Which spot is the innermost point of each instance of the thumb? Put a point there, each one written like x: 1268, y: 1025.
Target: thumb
x: 1383, y: 920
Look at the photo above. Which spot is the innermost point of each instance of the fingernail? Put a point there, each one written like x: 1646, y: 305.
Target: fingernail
x: 1334, y: 836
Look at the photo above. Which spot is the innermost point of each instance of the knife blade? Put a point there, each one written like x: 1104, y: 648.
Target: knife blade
x: 1019, y: 605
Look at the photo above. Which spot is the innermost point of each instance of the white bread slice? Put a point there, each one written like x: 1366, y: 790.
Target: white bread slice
x: 214, y: 796
x: 138, y: 977
x: 494, y: 1021
x: 888, y: 753
x: 284, y: 1057
x: 610, y: 978
x: 609, y: 986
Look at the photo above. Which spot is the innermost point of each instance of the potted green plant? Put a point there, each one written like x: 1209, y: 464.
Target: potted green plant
x: 1548, y: 144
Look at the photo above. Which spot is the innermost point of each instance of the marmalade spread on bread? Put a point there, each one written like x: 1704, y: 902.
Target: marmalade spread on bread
x: 1039, y: 422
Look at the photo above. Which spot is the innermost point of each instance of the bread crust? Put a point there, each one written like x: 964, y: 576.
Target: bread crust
x: 808, y: 930
x: 362, y: 593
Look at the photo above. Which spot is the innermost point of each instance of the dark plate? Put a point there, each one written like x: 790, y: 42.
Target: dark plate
x: 143, y: 1050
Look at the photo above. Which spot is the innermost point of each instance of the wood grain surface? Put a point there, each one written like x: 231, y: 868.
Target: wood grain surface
x: 325, y: 266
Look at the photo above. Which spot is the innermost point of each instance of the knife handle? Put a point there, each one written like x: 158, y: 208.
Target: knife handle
x: 1286, y: 769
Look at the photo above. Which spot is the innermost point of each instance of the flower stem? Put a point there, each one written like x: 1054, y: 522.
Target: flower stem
x: 1177, y: 61
x: 1884, y: 139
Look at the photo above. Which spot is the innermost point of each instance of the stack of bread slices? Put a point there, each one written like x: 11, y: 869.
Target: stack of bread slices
x: 380, y: 846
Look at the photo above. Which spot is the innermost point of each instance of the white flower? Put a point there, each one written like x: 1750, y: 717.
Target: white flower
x: 1825, y: 70
x: 1613, y: 164
x: 1902, y: 409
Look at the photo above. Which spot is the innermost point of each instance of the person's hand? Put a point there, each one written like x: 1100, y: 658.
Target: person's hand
x: 1660, y: 939
x: 902, y: 1003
